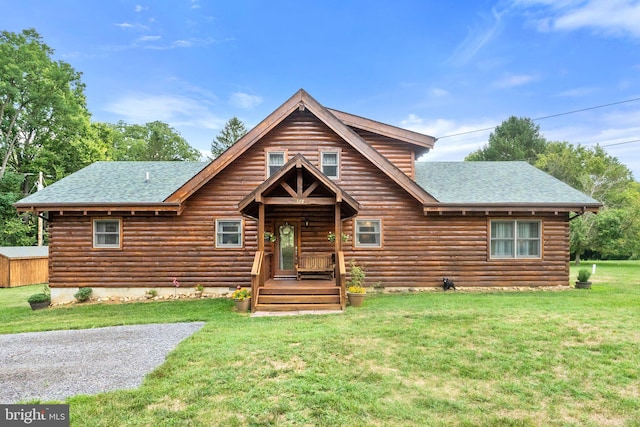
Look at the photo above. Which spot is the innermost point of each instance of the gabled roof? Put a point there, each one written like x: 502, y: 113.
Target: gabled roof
x: 301, y: 100
x: 349, y: 206
x: 115, y: 184
x: 486, y: 184
x: 425, y: 142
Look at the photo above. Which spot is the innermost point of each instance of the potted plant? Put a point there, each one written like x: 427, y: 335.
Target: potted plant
x: 41, y: 299
x: 583, y: 279
x: 355, y: 289
x: 242, y: 298
x: 269, y: 237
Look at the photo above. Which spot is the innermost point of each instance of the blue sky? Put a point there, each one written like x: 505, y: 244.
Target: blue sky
x: 437, y: 67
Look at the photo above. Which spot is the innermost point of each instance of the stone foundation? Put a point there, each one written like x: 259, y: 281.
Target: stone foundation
x: 61, y: 296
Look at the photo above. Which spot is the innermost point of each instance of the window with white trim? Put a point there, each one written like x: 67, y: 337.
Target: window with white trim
x: 515, y: 239
x: 275, y: 160
x: 329, y: 161
x: 228, y: 233
x: 368, y: 233
x: 106, y: 233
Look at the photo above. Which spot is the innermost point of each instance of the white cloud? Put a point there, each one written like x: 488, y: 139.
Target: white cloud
x: 577, y: 92
x: 140, y: 8
x: 477, y: 39
x: 436, y: 91
x: 457, y: 139
x: 244, y: 100
x: 149, y: 38
x: 513, y: 80
x: 175, y: 110
x: 608, y: 17
x: 130, y: 26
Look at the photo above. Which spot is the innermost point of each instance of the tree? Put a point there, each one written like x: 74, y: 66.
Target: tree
x: 588, y: 169
x: 614, y: 231
x: 41, y: 100
x: 14, y: 230
x: 516, y: 138
x: 151, y: 142
x: 233, y: 130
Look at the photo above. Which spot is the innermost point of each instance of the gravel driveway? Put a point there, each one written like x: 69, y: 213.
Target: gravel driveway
x: 58, y: 364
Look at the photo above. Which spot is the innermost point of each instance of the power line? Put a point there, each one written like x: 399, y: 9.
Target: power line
x: 621, y: 143
x: 549, y: 117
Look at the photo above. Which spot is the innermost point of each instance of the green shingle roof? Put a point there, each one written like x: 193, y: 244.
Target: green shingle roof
x: 495, y: 183
x: 118, y: 182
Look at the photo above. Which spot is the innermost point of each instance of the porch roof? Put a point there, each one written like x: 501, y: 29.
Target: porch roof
x: 310, y: 188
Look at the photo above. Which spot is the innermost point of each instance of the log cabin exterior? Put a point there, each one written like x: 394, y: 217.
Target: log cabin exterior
x: 305, y: 173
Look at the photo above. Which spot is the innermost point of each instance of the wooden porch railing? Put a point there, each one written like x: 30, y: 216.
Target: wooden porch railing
x: 341, y: 278
x: 259, y: 272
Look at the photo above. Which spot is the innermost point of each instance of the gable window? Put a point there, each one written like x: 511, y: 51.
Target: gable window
x: 368, y: 233
x: 229, y: 233
x: 275, y: 160
x: 515, y: 239
x: 106, y: 233
x: 329, y: 161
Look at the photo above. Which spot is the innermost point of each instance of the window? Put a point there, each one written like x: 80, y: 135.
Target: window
x: 229, y: 233
x: 106, y: 233
x: 275, y: 160
x: 368, y: 233
x: 515, y: 239
x: 329, y: 163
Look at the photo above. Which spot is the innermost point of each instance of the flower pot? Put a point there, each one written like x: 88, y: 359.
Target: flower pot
x: 39, y: 305
x: 242, y: 305
x: 355, y: 299
x: 583, y: 285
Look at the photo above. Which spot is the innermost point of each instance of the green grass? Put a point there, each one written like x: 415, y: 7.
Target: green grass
x: 548, y: 358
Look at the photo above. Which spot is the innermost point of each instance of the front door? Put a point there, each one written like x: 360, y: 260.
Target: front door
x: 286, y: 249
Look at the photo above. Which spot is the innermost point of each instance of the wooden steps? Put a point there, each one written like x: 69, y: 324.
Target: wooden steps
x: 298, y: 296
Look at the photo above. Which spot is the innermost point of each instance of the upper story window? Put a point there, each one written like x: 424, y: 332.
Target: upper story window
x: 515, y: 239
x: 368, y: 233
x: 329, y: 161
x: 275, y: 160
x: 228, y: 233
x: 106, y: 233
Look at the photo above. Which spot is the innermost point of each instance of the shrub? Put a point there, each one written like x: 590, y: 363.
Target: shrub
x: 39, y: 297
x: 356, y: 284
x: 44, y: 296
x: 583, y: 275
x: 83, y: 294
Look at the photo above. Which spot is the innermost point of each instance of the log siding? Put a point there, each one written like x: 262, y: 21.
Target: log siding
x: 416, y: 250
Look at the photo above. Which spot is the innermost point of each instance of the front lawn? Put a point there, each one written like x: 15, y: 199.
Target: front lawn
x: 547, y: 358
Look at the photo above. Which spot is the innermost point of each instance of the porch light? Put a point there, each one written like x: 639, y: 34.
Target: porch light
x: 306, y: 222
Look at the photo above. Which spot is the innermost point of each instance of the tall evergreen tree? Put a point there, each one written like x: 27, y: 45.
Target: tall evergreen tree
x: 233, y: 130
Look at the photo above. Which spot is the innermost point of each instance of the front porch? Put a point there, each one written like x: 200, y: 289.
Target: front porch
x: 297, y: 209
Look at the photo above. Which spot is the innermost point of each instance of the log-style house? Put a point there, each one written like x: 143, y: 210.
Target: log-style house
x: 309, y: 188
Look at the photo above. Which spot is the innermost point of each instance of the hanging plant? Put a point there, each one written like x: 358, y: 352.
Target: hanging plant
x: 269, y: 237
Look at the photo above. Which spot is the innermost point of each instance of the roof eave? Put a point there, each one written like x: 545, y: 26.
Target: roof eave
x: 510, y: 208
x: 99, y: 207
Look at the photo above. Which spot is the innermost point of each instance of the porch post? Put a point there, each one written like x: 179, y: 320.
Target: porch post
x: 261, y: 227
x: 338, y: 228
